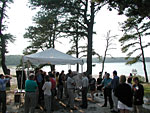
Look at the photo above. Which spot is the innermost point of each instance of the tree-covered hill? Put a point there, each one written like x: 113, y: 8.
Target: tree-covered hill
x: 13, y: 59
x: 116, y: 59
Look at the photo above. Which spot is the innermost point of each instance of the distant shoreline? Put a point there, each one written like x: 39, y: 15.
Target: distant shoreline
x: 14, y: 60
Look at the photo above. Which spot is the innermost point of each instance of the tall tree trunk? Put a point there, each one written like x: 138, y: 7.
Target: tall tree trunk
x: 76, y: 46
x: 77, y: 52
x: 143, y: 58
x: 90, y: 40
x: 53, y: 45
x: 144, y: 66
x: 3, y: 47
x: 103, y: 62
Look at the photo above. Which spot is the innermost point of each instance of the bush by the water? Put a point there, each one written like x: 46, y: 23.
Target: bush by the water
x: 141, y: 78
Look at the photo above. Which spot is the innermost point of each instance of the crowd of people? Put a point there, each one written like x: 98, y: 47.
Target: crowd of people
x: 124, y: 94
x: 41, y: 86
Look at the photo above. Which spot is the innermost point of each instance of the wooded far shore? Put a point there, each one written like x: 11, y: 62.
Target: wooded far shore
x: 15, y: 60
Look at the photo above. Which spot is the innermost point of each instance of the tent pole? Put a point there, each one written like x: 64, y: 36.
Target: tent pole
x: 28, y: 68
x: 82, y: 68
x: 22, y: 73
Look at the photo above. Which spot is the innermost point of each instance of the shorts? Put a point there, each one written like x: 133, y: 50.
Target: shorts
x: 123, y: 106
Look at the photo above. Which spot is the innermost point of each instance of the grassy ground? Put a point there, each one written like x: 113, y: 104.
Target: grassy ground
x: 147, y: 89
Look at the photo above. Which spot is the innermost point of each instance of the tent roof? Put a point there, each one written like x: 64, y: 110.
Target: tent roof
x: 52, y: 56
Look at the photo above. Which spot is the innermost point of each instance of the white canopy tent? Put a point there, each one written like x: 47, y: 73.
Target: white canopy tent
x: 52, y: 56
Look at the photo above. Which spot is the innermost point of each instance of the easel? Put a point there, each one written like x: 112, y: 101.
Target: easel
x: 19, y: 93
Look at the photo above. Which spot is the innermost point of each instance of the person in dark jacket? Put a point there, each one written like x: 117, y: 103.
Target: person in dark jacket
x: 61, y: 84
x: 107, y: 91
x: 92, y: 86
x: 124, y: 94
x: 114, y: 84
x: 138, y: 94
x: 99, y: 86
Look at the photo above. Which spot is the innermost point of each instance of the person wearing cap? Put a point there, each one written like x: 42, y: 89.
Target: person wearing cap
x: 30, y: 94
x: 3, y: 82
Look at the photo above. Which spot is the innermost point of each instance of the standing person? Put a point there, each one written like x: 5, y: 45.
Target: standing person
x: 39, y: 77
x: 130, y: 75
x: 47, y: 93
x: 124, y: 94
x: 30, y: 94
x: 114, y: 85
x: 138, y: 94
x: 57, y: 78
x: 92, y: 86
x: 99, y: 81
x: 61, y: 84
x: 85, y: 85
x: 53, y: 90
x: 107, y: 90
x: 71, y: 90
x: 3, y: 82
x: 129, y: 81
x: 65, y: 82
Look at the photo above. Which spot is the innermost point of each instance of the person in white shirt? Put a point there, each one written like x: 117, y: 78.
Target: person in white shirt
x: 47, y: 93
x: 71, y: 91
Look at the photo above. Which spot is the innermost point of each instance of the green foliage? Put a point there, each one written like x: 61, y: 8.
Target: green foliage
x: 131, y: 42
x: 4, y: 38
x: 68, y: 20
x: 141, y: 78
x: 127, y: 38
x: 44, y: 34
x: 146, y: 89
x: 139, y: 8
x: 13, y: 59
x: 46, y: 3
x: 78, y: 22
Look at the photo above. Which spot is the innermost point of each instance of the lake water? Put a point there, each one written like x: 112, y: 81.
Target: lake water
x: 121, y: 68
x: 109, y: 67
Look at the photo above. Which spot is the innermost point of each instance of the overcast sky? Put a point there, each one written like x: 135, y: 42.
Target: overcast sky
x: 20, y: 17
